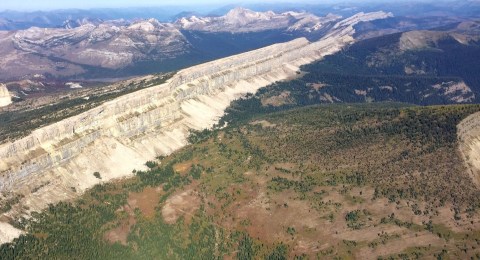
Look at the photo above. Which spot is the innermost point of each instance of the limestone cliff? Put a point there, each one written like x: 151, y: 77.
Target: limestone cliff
x: 57, y: 162
x: 468, y: 132
x: 5, y: 98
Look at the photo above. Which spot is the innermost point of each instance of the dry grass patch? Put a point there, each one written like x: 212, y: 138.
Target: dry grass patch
x: 183, y: 203
x: 146, y: 201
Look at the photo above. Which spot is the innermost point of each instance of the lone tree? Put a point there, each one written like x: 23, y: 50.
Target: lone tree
x: 97, y: 175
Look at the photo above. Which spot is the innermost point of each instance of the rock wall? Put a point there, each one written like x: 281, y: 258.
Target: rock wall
x: 57, y: 162
x: 132, y: 117
x: 5, y: 98
x: 468, y: 132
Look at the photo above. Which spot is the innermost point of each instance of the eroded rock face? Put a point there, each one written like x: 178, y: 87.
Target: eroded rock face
x: 468, y: 132
x: 5, y: 98
x: 57, y: 162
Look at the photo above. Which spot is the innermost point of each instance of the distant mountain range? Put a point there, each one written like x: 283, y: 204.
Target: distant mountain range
x: 240, y: 20
x: 110, y: 43
x: 18, y: 20
x: 116, y: 47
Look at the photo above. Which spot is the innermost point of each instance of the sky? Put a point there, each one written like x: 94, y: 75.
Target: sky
x: 32, y: 5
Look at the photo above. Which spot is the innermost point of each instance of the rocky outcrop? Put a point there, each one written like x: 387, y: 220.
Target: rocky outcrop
x: 57, y: 162
x: 468, y: 132
x: 5, y: 98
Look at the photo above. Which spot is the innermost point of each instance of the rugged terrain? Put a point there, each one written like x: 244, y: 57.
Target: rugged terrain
x: 119, y: 47
x: 418, y: 67
x: 104, y: 46
x: 246, y: 157
x: 56, y: 162
x: 70, y: 52
x: 331, y: 181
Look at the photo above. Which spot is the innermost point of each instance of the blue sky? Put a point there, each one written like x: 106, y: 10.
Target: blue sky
x: 31, y: 5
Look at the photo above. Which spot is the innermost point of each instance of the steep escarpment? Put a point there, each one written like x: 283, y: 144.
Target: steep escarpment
x: 468, y: 132
x: 58, y: 161
x: 5, y: 98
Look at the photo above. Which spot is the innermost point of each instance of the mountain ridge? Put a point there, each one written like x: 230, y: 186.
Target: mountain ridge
x: 194, y: 98
x: 117, y: 44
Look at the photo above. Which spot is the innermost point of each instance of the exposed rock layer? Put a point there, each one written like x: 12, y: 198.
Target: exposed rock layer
x: 57, y: 162
x: 468, y: 132
x: 5, y: 98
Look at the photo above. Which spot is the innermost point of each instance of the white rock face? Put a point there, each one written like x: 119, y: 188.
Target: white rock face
x: 5, y: 98
x: 310, y: 23
x: 8, y: 232
x: 120, y: 135
x: 468, y: 132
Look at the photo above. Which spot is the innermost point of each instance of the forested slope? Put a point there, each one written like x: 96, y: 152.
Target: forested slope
x: 322, y: 181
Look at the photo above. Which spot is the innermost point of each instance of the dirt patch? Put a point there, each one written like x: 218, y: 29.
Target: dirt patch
x: 180, y: 204
x: 317, y: 86
x: 271, y: 216
x: 446, y: 217
x: 397, y: 246
x: 182, y: 167
x: 146, y: 200
x: 327, y: 98
x: 279, y: 100
x: 120, y: 233
x: 456, y: 91
x: 263, y: 123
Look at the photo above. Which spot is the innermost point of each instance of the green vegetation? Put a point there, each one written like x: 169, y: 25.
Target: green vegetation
x: 20, y: 123
x: 97, y: 175
x: 290, y: 177
x: 281, y: 172
x: 317, y: 163
x: 373, y: 71
x: 381, y: 55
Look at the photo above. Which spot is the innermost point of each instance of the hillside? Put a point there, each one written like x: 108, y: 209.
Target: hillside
x: 419, y: 67
x: 294, y: 134
x: 76, y: 136
x: 325, y: 181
